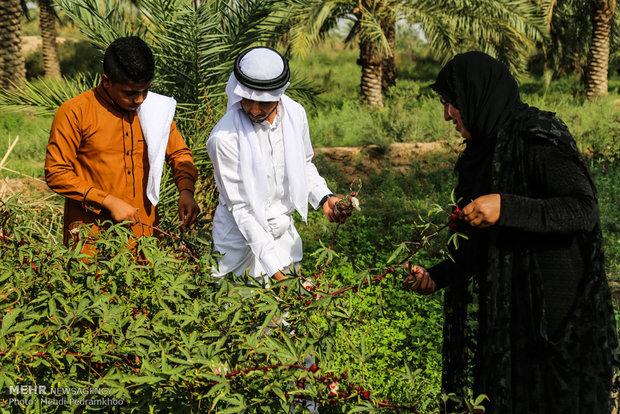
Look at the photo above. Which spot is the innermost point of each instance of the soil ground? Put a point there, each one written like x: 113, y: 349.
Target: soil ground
x: 357, y: 162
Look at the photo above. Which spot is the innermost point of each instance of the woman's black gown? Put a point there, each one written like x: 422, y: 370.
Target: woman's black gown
x: 544, y: 337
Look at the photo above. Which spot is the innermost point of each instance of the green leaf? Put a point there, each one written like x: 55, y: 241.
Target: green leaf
x: 146, y: 379
x: 8, y: 319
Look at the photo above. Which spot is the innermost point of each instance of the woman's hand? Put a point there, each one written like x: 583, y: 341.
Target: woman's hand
x: 484, y: 211
x: 419, y: 280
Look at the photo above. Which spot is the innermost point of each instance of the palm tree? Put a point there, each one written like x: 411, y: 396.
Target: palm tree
x: 12, y: 63
x: 598, y: 59
x: 47, y: 20
x: 578, y: 39
x: 569, y: 37
x: 388, y: 75
x: 507, y: 31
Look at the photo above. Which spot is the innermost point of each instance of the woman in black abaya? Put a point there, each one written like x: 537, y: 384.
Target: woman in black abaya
x: 546, y: 335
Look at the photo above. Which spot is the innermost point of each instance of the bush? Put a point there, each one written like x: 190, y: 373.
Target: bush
x: 147, y: 326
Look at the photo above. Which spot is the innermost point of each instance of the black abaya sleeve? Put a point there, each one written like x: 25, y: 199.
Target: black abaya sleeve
x: 563, y: 202
x: 463, y: 263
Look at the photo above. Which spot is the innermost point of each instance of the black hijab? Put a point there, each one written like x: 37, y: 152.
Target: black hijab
x: 487, y: 96
x: 481, y: 88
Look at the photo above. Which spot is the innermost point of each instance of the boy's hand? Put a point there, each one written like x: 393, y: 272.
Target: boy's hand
x: 188, y: 208
x: 120, y: 210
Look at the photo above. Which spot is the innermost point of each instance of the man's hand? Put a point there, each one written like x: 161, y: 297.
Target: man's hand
x: 188, y: 208
x: 419, y: 280
x: 120, y: 210
x: 484, y: 211
x: 330, y: 212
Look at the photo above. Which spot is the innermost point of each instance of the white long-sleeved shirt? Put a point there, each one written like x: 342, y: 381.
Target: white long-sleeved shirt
x: 237, y: 233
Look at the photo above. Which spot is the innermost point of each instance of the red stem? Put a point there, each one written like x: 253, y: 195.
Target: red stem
x: 382, y: 275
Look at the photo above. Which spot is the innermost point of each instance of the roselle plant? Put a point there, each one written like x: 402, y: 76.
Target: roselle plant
x: 427, y: 231
x: 149, y: 325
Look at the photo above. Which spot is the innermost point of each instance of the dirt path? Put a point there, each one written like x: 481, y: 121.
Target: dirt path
x: 356, y: 162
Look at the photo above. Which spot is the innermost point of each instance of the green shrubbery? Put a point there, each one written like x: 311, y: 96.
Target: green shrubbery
x: 157, y: 333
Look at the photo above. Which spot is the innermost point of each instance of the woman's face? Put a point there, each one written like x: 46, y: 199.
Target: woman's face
x: 450, y: 113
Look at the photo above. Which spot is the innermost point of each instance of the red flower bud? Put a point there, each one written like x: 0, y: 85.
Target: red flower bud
x: 366, y: 394
x: 456, y: 213
x: 314, y: 368
x: 452, y: 224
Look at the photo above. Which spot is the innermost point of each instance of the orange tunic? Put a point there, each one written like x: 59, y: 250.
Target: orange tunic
x: 96, y: 149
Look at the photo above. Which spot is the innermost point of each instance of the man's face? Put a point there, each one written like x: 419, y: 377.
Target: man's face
x: 259, y: 111
x: 127, y: 95
x: 450, y: 113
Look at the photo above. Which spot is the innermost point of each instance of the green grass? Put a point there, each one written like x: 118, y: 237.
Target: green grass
x: 413, y: 114
x: 28, y: 155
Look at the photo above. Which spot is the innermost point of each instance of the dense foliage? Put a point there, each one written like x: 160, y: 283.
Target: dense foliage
x: 148, y: 326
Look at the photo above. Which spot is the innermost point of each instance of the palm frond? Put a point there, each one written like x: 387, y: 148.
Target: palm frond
x: 307, y: 22
x: 102, y: 21
x: 44, y: 97
x: 507, y: 30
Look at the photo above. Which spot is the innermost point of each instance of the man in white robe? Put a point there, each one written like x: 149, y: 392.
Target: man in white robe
x: 262, y: 159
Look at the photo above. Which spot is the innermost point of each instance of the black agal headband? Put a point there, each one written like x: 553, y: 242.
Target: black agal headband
x: 260, y: 84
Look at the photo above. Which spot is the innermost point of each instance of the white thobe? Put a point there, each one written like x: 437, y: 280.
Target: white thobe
x: 245, y: 243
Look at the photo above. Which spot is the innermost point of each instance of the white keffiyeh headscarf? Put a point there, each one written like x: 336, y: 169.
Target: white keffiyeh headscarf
x: 266, y: 64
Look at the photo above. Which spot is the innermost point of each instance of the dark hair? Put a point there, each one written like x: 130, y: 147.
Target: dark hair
x: 129, y: 59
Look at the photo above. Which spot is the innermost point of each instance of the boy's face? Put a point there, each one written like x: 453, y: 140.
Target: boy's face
x: 127, y: 95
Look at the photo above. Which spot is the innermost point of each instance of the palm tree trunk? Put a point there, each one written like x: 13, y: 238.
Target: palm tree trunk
x: 372, y: 69
x: 389, y: 64
x: 12, y: 63
x: 598, y: 59
x: 48, y: 37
